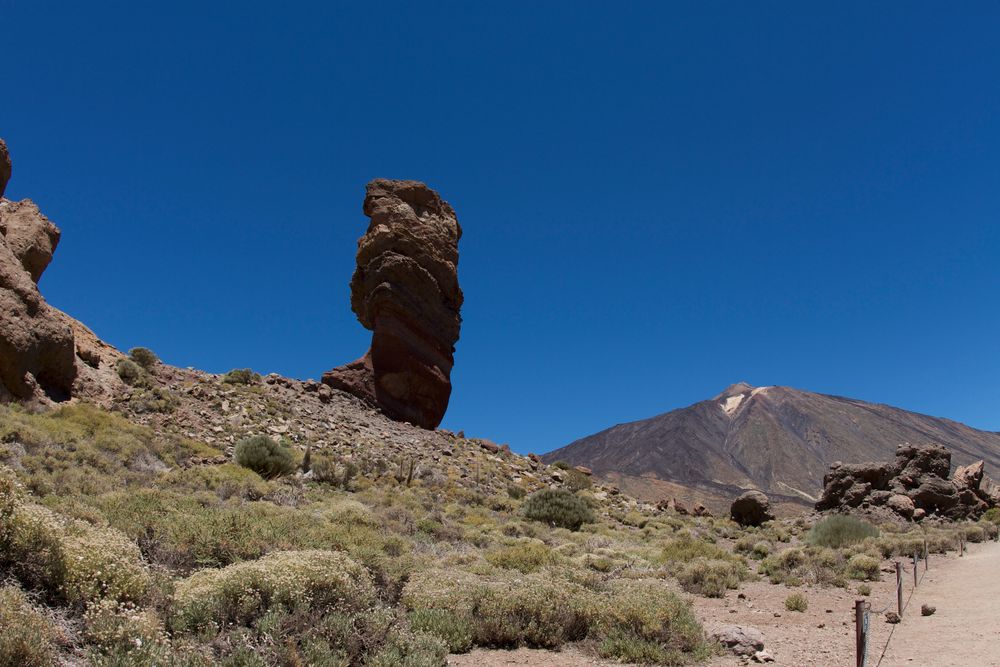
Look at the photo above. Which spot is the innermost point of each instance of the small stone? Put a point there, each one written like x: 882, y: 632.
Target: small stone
x: 763, y: 656
x: 927, y: 610
x: 891, y: 617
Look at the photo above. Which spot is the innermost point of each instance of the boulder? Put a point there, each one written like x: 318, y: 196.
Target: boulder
x: 901, y: 505
x: 37, y: 353
x: 740, y: 639
x: 405, y: 290
x: 752, y: 508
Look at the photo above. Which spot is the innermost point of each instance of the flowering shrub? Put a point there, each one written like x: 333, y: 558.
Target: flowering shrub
x: 27, y: 637
x: 70, y: 560
x: 240, y: 593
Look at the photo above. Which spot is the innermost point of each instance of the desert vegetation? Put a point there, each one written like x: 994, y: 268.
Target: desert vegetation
x: 120, y: 548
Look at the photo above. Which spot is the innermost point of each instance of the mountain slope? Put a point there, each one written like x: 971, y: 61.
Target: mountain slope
x: 778, y: 439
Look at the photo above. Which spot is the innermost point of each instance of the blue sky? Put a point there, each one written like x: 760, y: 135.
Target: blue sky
x: 659, y: 199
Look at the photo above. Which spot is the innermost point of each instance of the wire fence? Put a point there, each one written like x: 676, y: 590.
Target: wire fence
x: 864, y: 611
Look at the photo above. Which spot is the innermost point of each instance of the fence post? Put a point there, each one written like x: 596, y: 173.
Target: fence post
x: 927, y: 556
x: 859, y: 631
x: 961, y: 545
x: 899, y: 588
x: 915, y: 561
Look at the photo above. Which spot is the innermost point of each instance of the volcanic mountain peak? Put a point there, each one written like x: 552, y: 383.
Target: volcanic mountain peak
x: 777, y: 439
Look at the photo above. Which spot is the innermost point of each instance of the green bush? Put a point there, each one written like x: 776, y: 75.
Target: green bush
x: 839, y: 531
x: 711, y: 577
x: 992, y: 515
x: 864, y: 590
x: 240, y: 594
x: 685, y: 548
x: 516, y: 492
x: 863, y: 567
x: 27, y: 637
x: 525, y: 556
x: 241, y: 376
x: 143, y: 356
x: 643, y: 621
x: 131, y: 373
x: 265, y: 457
x: 796, y: 602
x: 455, y: 630
x: 558, y: 507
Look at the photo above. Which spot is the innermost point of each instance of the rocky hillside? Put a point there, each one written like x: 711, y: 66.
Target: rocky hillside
x: 777, y: 439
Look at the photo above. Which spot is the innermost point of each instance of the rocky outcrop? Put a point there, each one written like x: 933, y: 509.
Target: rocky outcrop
x: 5, y: 167
x: 405, y: 290
x: 751, y: 509
x: 36, y: 342
x: 916, y: 484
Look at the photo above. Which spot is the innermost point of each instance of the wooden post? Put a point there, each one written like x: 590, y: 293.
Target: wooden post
x: 859, y: 631
x: 915, y: 561
x: 927, y: 557
x: 899, y: 588
x: 961, y: 545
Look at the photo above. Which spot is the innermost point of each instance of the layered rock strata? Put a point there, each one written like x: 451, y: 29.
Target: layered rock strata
x: 405, y: 290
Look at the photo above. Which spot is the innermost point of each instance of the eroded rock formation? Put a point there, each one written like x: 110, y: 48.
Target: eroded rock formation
x: 916, y: 484
x: 405, y: 290
x: 36, y: 342
x: 5, y: 167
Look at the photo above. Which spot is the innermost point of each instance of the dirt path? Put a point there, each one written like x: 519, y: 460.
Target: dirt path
x: 965, y: 629
x: 964, y: 632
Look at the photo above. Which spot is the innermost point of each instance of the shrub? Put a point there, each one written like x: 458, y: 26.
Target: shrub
x: 864, y: 589
x: 339, y: 473
x: 577, y: 481
x: 796, y: 602
x: 27, y: 637
x: 711, y: 577
x: 643, y: 621
x: 526, y: 556
x: 241, y: 376
x: 241, y: 593
x: 131, y: 373
x: 558, y: 507
x: 839, y: 531
x: 456, y: 630
x: 70, y: 560
x: 503, y: 611
x: 992, y: 515
x: 264, y: 456
x: 863, y: 567
x: 685, y: 548
x: 516, y: 492
x: 143, y: 356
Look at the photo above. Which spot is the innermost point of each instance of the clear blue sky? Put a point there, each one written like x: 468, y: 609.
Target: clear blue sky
x: 659, y: 199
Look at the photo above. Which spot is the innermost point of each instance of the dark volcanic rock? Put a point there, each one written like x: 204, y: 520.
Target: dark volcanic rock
x: 751, y: 509
x: 5, y: 167
x: 915, y: 484
x: 405, y: 289
x: 36, y: 342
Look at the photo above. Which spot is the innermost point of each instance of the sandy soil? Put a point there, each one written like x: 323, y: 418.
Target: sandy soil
x: 965, y: 630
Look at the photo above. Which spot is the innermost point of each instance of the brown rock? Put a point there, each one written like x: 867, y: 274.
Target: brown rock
x: 37, y: 352
x: 752, y: 508
x: 901, y: 505
x: 405, y: 289
x: 5, y: 167
x: 891, y: 617
x: 969, y: 477
x: 584, y: 469
x: 927, y: 610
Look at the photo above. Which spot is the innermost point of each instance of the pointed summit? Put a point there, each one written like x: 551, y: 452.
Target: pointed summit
x: 734, y: 390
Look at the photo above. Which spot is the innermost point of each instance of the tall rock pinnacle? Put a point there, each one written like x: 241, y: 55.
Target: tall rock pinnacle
x: 5, y: 167
x: 405, y: 290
